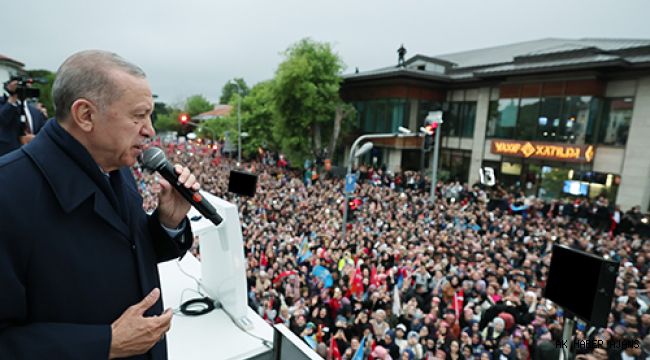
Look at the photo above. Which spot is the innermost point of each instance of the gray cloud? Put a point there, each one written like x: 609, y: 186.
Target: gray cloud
x: 193, y: 47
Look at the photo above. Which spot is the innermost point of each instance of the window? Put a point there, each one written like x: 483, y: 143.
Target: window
x: 424, y: 107
x: 468, y: 119
x: 454, y: 165
x: 569, y: 119
x: 507, y: 118
x: 528, y: 118
x: 399, y: 114
x: 493, y: 118
x: 548, y: 121
x: 459, y: 120
x: 360, y: 107
x: 451, y: 118
x: 382, y: 116
x: 577, y: 120
x: 615, y: 125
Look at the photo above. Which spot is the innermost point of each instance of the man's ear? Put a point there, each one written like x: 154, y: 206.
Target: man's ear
x: 83, y: 113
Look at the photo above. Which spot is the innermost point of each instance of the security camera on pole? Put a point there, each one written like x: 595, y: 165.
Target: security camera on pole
x: 431, y: 124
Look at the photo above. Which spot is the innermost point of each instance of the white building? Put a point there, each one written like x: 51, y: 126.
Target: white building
x: 547, y: 115
x: 9, y: 67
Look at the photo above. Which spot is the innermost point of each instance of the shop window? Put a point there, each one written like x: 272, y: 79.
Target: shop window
x: 577, y: 120
x: 528, y: 118
x: 454, y: 165
x: 507, y: 118
x: 493, y: 119
x: 548, y: 121
x: 411, y: 160
x: 569, y: 120
x: 615, y: 126
x: 510, y: 168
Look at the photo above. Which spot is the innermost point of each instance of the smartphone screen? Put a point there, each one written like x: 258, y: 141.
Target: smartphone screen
x: 242, y: 183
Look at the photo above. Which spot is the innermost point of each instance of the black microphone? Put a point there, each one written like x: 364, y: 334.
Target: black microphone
x: 154, y: 159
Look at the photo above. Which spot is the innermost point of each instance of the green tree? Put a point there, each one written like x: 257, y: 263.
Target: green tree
x: 257, y: 115
x: 229, y: 90
x: 44, y: 80
x: 306, y: 99
x: 197, y: 104
x: 168, y: 120
x: 217, y: 127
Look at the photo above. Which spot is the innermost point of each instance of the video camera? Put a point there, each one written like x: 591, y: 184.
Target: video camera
x: 24, y: 89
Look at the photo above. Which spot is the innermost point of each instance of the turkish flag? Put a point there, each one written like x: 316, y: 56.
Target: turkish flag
x: 373, y: 276
x: 458, y: 303
x: 356, y: 283
x: 333, y: 353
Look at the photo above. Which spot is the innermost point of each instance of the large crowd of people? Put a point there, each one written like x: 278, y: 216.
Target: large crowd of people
x: 460, y: 278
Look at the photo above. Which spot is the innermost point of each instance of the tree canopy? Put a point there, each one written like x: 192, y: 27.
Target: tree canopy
x: 307, y: 102
x: 44, y: 80
x: 229, y: 90
x: 197, y: 104
x: 257, y: 118
x: 166, y: 118
x: 299, y: 112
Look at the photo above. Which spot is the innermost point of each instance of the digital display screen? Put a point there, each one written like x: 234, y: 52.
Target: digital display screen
x: 574, y: 187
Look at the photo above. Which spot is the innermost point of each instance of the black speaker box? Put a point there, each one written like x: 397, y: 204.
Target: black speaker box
x: 582, y: 284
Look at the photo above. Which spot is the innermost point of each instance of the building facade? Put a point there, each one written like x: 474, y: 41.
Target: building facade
x: 554, y: 117
x: 9, y: 67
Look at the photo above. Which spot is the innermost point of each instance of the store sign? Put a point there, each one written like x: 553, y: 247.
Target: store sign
x: 547, y: 151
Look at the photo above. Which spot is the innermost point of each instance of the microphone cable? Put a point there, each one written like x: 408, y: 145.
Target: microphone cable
x: 187, y: 309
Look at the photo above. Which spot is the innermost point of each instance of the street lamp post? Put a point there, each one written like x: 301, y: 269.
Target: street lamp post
x: 354, y: 154
x: 434, y: 171
x: 202, y: 127
x: 238, y: 121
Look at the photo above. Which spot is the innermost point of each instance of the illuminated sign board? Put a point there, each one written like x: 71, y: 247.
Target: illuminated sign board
x: 541, y: 150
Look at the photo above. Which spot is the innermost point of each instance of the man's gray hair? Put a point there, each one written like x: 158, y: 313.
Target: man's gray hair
x: 87, y: 74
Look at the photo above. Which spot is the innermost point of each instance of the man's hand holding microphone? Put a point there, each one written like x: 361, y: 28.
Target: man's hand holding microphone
x: 133, y: 333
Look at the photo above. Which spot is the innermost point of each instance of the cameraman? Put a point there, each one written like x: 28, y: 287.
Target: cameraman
x: 13, y: 131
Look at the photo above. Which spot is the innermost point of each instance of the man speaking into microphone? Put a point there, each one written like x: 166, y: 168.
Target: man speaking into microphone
x: 78, y: 254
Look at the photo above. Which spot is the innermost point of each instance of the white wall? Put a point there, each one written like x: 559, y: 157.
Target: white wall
x: 620, y: 88
x: 394, y: 160
x: 478, y: 143
x: 635, y: 177
x: 487, y: 152
x: 609, y: 159
x: 6, y: 72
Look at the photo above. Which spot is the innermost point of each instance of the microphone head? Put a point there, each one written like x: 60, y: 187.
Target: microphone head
x: 153, y: 158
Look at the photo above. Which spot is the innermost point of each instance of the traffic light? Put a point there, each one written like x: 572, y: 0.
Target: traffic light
x: 183, y: 118
x: 353, y: 205
x: 431, y: 123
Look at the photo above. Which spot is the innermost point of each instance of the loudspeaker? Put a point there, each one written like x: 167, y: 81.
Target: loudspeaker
x: 582, y: 284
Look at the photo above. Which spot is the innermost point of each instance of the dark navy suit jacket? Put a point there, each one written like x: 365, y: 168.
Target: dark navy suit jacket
x: 11, y: 128
x: 73, y: 257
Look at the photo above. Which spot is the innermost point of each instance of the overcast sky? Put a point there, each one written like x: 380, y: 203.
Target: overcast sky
x: 194, y: 46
